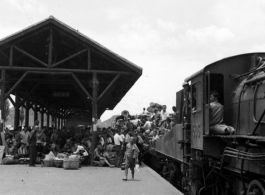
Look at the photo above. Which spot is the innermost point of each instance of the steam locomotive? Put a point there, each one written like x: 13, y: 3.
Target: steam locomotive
x: 201, y: 161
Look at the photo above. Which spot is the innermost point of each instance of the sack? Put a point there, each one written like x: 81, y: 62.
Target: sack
x: 10, y: 161
x: 49, y: 156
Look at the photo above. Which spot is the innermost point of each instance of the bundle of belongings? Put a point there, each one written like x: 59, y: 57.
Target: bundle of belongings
x: 48, y: 161
x: 10, y: 160
x: 58, y: 160
x: 71, y: 162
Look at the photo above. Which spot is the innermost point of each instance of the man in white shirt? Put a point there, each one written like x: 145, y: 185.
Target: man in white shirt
x: 118, y: 142
x: 164, y: 113
x: 148, y: 124
x: 80, y: 149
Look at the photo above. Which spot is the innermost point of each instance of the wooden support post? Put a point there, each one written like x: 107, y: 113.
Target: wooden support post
x: 55, y: 122
x: 17, y: 111
x: 27, y: 114
x: 88, y: 60
x: 94, y: 116
x: 35, y: 111
x: 52, y: 116
x: 11, y: 56
x: 48, y: 119
x: 62, y: 117
x: 3, y: 78
x: 50, y: 49
x: 42, y: 118
x: 59, y: 119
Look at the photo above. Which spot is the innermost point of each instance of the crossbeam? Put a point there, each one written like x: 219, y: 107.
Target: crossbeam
x: 68, y: 58
x: 14, y: 86
x: 29, y: 94
x: 81, y: 86
x: 108, y: 87
x: 31, y: 56
x: 84, y: 71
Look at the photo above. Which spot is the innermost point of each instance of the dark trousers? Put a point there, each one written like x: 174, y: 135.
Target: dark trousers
x: 32, y: 155
x: 118, y: 155
x: 39, y: 149
x: 140, y: 153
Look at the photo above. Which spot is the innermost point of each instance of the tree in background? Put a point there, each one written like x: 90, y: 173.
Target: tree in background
x: 21, y: 116
x: 5, y: 117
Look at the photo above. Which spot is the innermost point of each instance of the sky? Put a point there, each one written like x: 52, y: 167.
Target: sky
x: 169, y: 39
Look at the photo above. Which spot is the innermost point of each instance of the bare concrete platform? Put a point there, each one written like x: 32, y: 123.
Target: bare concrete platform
x: 24, y: 180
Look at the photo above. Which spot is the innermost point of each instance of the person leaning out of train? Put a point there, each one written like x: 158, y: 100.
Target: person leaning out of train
x: 216, y: 116
x: 164, y: 114
x: 167, y: 126
x: 155, y: 136
x: 147, y: 124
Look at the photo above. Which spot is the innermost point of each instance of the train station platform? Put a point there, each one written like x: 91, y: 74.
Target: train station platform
x: 24, y: 180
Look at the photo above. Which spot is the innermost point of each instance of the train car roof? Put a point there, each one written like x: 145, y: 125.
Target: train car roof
x: 214, y: 63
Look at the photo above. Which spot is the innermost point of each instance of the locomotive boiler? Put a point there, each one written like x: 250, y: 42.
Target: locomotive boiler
x: 202, y: 161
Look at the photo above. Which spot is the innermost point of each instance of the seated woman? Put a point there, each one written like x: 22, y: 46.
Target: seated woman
x: 55, y: 148
x: 109, y: 143
x: 99, y: 159
x: 67, y: 146
x: 22, y: 151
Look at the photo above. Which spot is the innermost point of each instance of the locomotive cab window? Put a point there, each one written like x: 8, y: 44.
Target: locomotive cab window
x: 196, y: 96
x: 216, y: 83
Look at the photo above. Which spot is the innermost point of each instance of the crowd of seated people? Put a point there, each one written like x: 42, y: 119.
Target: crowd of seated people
x: 76, y: 141
x: 148, y: 126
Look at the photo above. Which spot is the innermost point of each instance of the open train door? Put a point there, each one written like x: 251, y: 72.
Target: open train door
x: 207, y: 103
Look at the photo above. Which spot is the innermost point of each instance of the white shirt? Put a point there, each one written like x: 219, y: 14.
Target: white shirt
x: 154, y: 138
x: 122, y: 137
x: 102, y: 141
x: 147, y: 125
x: 164, y: 115
x: 81, y: 148
x: 117, y: 139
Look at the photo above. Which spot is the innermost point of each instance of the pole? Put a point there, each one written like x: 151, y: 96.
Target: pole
x: 17, y: 112
x: 27, y: 114
x: 94, y: 116
x: 3, y: 78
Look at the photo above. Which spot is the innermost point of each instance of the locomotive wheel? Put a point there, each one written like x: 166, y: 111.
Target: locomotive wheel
x: 256, y: 187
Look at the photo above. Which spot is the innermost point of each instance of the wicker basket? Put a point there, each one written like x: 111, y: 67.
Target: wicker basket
x: 112, y: 161
x: 48, y: 163
x: 58, y: 163
x: 69, y: 164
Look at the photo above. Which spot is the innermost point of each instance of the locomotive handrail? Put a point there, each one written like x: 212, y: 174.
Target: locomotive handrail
x: 254, y: 80
x: 254, y: 106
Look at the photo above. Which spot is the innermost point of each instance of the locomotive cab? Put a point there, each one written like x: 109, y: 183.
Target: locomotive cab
x: 240, y: 112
